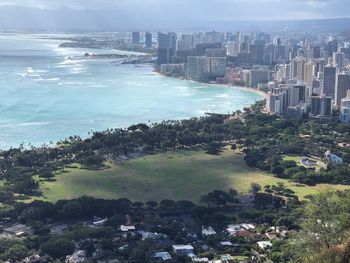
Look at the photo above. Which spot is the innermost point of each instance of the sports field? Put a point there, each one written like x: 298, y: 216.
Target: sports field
x: 174, y: 175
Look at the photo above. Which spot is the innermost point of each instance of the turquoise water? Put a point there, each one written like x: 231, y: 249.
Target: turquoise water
x: 49, y: 93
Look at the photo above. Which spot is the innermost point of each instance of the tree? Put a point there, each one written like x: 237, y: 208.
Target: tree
x: 327, y: 217
x: 254, y: 188
x: 58, y: 248
x: 152, y: 204
x: 16, y: 252
x: 46, y: 175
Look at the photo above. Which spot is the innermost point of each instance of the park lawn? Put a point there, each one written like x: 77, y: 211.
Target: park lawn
x: 183, y: 175
x: 295, y: 158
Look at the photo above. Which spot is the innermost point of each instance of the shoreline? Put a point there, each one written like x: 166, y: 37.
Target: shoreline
x: 226, y: 85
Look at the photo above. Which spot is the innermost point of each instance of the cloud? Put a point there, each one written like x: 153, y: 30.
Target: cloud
x: 212, y: 10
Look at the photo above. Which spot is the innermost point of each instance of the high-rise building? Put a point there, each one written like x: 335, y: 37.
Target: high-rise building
x: 232, y: 48
x: 345, y: 108
x: 257, y: 76
x: 201, y: 48
x: 185, y: 42
x: 215, y: 52
x: 282, y: 72
x: 165, y: 55
x: 136, y: 38
x: 309, y: 73
x: 271, y: 102
x: 342, y: 87
x: 167, y: 40
x: 316, y: 52
x: 297, y: 68
x: 148, y: 40
x: 288, y: 99
x: 258, y: 49
x: 166, y: 47
x: 338, y: 60
x: 205, y: 68
x: 214, y: 37
x: 321, y: 106
x: 331, y: 47
x: 329, y: 76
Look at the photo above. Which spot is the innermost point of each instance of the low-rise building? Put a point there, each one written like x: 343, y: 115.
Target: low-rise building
x: 162, y: 255
x: 208, y: 231
x: 17, y: 230
x: 78, y: 257
x: 332, y: 158
x: 125, y: 228
x: 183, y: 249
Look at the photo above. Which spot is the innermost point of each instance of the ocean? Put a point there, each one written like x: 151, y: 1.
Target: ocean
x: 49, y: 93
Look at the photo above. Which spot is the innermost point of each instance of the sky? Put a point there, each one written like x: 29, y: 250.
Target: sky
x: 210, y: 10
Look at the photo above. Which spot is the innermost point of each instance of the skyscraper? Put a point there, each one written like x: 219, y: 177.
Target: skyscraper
x: 329, y: 75
x: 167, y: 40
x: 316, y: 52
x: 257, y: 50
x: 148, y: 41
x: 205, y: 68
x: 166, y: 47
x: 342, y: 87
x: 136, y: 38
x: 309, y: 73
x: 165, y: 55
x: 257, y: 76
x: 345, y: 108
x: 321, y: 106
x: 338, y: 60
x: 297, y: 68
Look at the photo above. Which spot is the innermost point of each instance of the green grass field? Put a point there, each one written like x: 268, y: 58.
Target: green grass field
x: 298, y: 159
x: 173, y: 175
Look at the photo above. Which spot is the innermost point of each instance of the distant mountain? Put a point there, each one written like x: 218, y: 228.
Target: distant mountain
x: 66, y: 19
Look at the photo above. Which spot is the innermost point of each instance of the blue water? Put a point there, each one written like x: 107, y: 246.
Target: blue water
x: 49, y: 93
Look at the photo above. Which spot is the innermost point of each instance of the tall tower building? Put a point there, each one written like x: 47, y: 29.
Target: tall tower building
x: 329, y: 76
x: 309, y: 73
x: 345, y: 108
x: 136, y: 38
x: 257, y: 50
x: 342, y: 87
x: 338, y: 60
x: 297, y: 68
x: 148, y: 41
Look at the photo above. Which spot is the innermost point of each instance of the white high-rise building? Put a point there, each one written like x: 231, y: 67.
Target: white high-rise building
x: 297, y: 68
x: 309, y: 73
x: 232, y: 48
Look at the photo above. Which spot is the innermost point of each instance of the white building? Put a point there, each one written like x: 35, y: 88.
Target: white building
x: 208, y: 231
x: 332, y: 158
x: 124, y: 228
x: 183, y: 249
x: 264, y: 244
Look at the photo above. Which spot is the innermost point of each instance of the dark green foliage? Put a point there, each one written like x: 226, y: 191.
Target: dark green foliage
x: 58, y: 247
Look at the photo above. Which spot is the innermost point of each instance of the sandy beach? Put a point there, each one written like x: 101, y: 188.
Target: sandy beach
x: 227, y: 85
